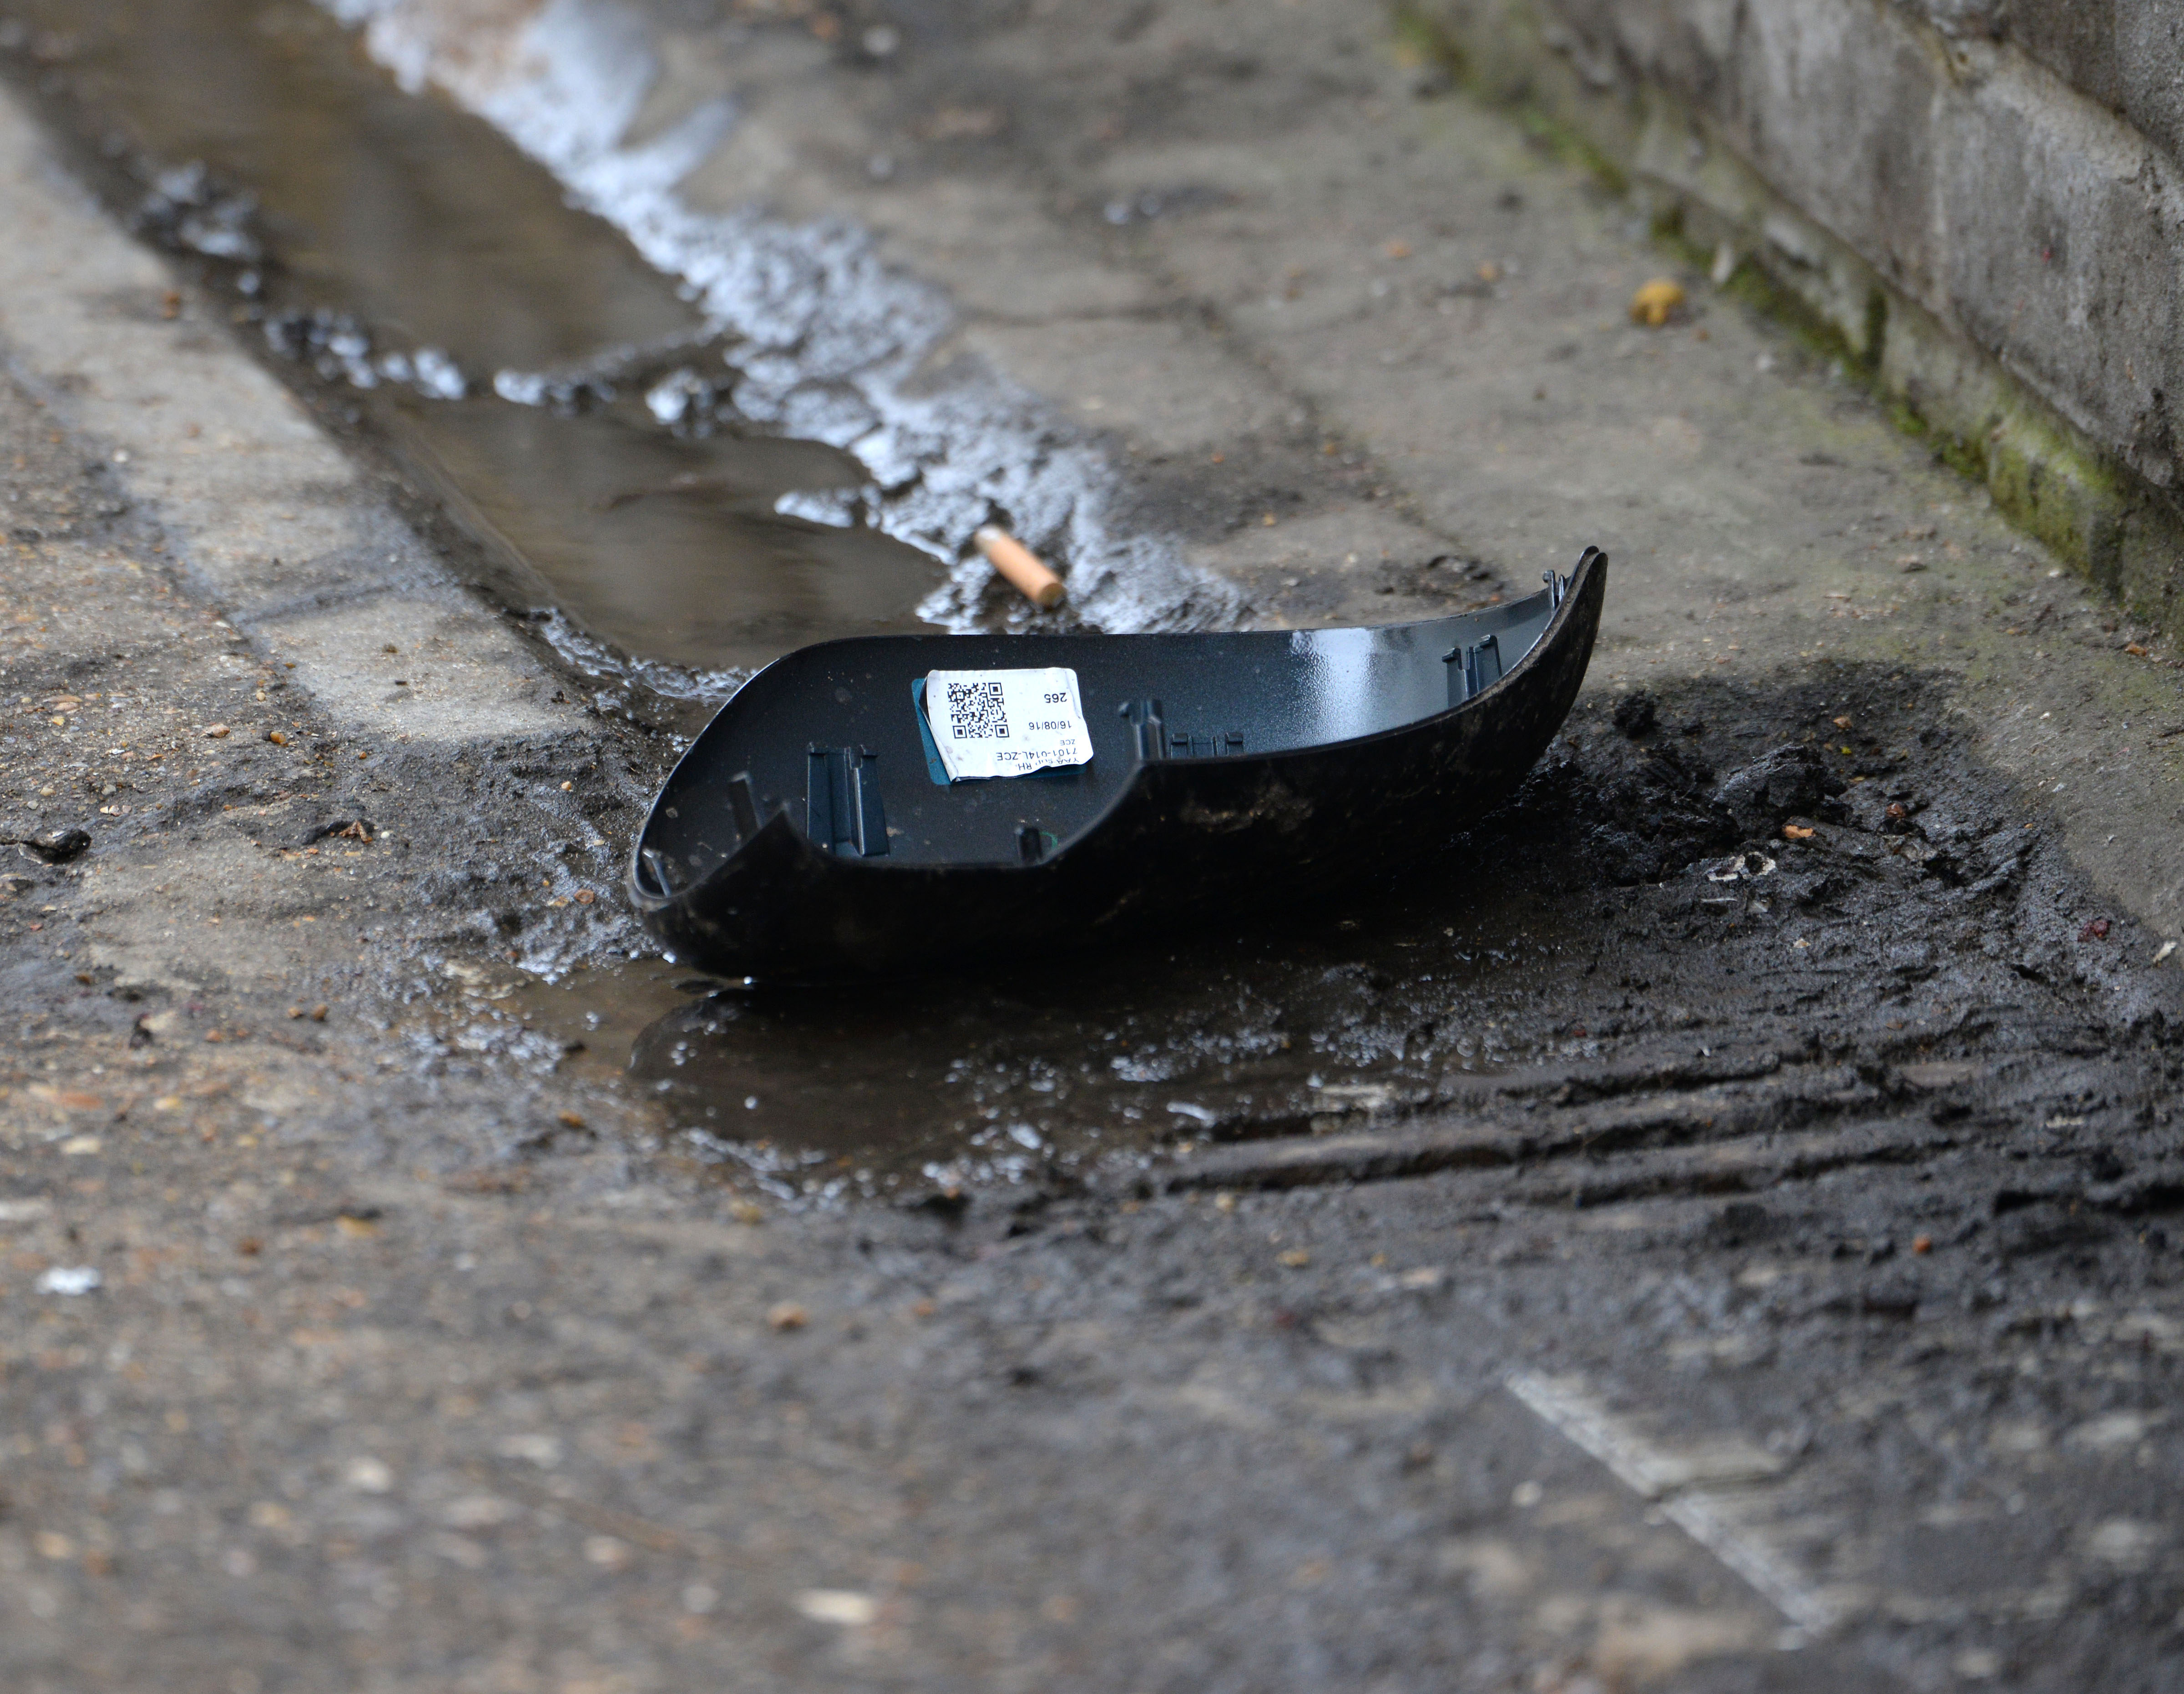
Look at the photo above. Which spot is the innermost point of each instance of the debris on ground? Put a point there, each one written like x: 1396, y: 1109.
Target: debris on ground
x: 1634, y: 713
x: 1669, y: 1111
x: 1789, y: 782
x: 1020, y: 567
x: 56, y: 846
x: 1656, y: 301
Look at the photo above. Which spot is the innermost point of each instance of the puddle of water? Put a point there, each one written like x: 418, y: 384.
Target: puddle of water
x: 698, y: 437
x: 833, y: 343
x: 1089, y: 1062
x: 670, y: 547
x: 414, y: 216
x: 421, y: 224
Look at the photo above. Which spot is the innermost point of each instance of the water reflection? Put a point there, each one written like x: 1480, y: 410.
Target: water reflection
x: 670, y: 547
x: 428, y: 229
x: 1063, y: 1070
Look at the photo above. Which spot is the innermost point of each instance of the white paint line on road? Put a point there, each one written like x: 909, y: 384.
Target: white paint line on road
x: 1707, y: 1514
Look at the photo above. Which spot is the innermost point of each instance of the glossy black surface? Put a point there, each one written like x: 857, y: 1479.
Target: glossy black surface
x: 762, y: 856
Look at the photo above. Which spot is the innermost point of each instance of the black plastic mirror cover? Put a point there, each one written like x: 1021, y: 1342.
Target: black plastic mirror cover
x: 807, y: 835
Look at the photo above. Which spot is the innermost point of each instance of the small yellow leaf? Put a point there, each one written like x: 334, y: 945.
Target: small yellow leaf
x: 1651, y: 304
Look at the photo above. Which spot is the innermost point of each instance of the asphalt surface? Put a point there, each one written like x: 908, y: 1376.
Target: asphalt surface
x: 1712, y: 1231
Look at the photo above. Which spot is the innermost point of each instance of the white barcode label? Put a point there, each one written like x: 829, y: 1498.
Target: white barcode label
x: 1006, y: 722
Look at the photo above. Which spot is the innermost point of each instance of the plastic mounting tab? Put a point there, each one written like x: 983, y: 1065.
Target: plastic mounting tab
x: 1144, y: 717
x: 842, y: 801
x: 1474, y: 668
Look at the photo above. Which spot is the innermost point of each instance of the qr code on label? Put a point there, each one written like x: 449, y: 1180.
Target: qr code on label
x: 975, y: 712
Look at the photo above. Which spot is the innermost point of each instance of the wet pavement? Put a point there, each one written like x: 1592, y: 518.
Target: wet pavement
x: 511, y: 351
x: 1710, y: 1230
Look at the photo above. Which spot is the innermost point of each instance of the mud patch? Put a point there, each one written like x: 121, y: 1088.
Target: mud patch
x: 1763, y: 912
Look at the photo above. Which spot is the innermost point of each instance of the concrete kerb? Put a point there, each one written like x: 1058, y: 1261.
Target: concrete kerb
x: 2048, y: 477
x: 260, y: 511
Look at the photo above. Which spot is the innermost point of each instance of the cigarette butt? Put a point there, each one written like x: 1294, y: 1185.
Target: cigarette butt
x: 1021, y: 565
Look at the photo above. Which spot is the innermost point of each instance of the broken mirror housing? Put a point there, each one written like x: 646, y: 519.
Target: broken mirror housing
x: 814, y: 831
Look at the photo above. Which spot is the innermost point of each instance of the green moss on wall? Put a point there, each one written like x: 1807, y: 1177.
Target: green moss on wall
x: 2089, y: 510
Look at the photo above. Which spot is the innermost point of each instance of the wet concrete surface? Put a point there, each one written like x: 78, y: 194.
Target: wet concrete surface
x: 1636, y: 918
x: 511, y: 352
x: 1657, y: 1248
x: 422, y: 1354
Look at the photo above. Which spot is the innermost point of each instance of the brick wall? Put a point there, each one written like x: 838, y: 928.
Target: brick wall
x: 1984, y: 197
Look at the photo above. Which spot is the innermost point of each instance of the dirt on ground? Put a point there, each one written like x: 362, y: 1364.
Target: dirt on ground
x: 1711, y: 1228
x: 1759, y: 1098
